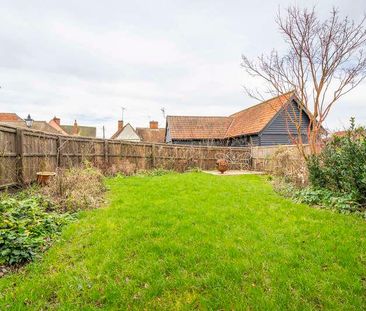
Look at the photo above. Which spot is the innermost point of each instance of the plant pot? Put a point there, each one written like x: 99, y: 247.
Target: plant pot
x: 43, y: 178
x: 222, y: 165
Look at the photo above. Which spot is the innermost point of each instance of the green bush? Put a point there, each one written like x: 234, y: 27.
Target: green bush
x: 340, y: 168
x: 343, y: 203
x: 26, y: 227
x: 30, y: 219
x: 324, y: 198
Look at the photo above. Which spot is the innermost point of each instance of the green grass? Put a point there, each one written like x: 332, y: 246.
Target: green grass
x: 198, y: 241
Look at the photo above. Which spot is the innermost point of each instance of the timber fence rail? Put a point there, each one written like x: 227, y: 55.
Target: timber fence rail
x: 24, y: 152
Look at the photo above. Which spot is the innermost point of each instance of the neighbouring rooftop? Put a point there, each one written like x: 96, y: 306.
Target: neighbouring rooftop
x: 245, y: 122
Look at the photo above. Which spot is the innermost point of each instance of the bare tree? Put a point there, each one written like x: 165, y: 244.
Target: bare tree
x: 324, y: 61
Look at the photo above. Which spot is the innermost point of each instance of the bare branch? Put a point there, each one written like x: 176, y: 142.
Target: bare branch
x: 325, y: 60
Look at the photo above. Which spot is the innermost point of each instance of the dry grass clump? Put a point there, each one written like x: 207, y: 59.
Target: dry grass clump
x: 120, y: 166
x: 77, y: 188
x: 124, y: 167
x: 289, y: 165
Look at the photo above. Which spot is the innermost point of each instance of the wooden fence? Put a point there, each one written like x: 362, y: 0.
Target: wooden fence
x: 25, y: 152
x: 263, y: 157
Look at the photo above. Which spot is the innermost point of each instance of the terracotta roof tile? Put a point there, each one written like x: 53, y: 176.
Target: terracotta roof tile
x: 340, y: 133
x: 151, y: 135
x: 254, y: 119
x: 57, y: 127
x: 189, y: 127
x: 8, y: 117
x: 85, y: 131
x: 37, y: 125
x: 248, y: 121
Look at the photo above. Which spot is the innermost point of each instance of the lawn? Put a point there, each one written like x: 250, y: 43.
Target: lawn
x: 186, y: 241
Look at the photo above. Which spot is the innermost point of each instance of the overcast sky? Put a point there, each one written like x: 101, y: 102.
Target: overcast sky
x: 84, y: 60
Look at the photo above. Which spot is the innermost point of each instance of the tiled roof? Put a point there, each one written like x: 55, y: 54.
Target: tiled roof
x: 340, y: 133
x: 116, y: 134
x: 358, y: 133
x: 254, y: 119
x: 151, y: 135
x: 119, y: 131
x: 5, y: 117
x: 187, y: 127
x: 57, y: 127
x: 37, y: 125
x: 251, y: 120
x: 85, y: 131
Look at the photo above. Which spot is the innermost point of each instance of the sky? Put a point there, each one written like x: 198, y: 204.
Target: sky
x: 85, y: 60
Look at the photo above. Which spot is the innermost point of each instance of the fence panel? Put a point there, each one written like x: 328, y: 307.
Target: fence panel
x: 39, y: 154
x: 262, y: 157
x: 24, y: 152
x: 8, y: 156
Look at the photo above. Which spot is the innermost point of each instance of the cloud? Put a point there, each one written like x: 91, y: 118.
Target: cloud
x: 87, y: 59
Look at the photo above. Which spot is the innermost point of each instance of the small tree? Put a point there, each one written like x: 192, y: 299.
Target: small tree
x: 324, y: 61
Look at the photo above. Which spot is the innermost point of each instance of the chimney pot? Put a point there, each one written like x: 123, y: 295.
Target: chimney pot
x: 120, y: 124
x: 75, y: 129
x: 154, y: 124
x: 57, y: 120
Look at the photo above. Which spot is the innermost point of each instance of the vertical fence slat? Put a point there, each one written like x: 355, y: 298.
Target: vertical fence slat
x: 153, y: 156
x: 32, y: 148
x: 59, y: 151
x: 19, y: 147
x: 106, y: 156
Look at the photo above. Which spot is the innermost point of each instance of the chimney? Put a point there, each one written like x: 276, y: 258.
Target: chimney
x: 120, y: 125
x: 75, y: 128
x: 154, y: 125
x: 57, y: 120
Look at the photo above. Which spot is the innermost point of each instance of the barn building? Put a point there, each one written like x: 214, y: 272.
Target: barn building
x: 268, y: 123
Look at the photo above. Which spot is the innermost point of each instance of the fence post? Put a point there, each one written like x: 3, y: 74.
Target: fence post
x: 106, y: 152
x: 153, y: 155
x: 59, y: 152
x: 19, y: 140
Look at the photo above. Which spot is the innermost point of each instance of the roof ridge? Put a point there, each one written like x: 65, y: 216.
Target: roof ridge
x: 186, y: 116
x: 268, y: 108
x: 228, y: 128
x: 148, y: 128
x: 261, y: 103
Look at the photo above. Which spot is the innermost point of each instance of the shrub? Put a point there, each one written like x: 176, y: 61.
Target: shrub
x: 289, y: 165
x: 121, y: 166
x: 26, y: 227
x: 343, y: 203
x: 77, y: 188
x: 30, y: 219
x: 341, y: 166
x: 283, y: 187
x: 337, y: 175
x: 324, y: 198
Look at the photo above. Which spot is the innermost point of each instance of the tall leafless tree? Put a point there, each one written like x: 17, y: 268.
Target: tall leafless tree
x: 325, y: 60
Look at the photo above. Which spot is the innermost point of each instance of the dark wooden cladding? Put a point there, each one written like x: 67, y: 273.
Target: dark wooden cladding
x: 25, y: 152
